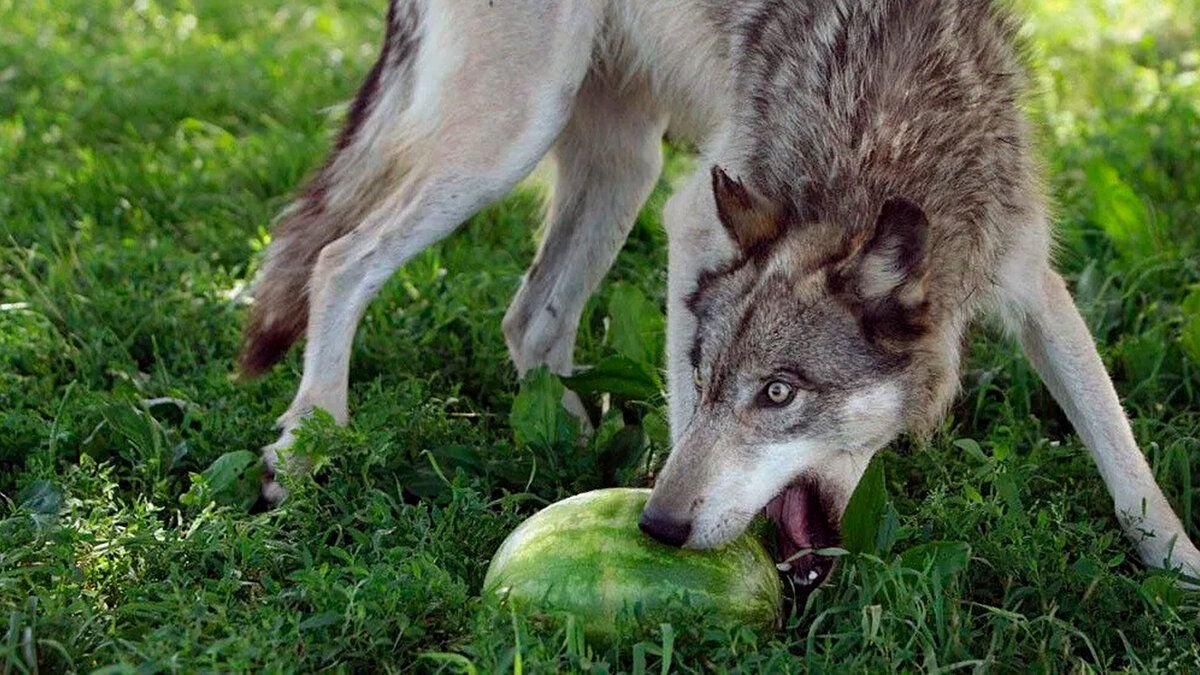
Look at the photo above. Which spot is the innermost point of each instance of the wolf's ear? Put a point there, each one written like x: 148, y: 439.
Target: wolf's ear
x: 889, y: 275
x: 749, y: 217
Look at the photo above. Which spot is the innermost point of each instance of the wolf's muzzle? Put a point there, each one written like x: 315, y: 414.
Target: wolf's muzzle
x: 664, y: 529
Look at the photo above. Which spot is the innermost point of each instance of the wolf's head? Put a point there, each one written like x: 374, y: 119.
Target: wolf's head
x: 808, y: 352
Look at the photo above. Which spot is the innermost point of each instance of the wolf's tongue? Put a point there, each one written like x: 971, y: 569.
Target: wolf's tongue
x: 801, y: 523
x: 790, y: 514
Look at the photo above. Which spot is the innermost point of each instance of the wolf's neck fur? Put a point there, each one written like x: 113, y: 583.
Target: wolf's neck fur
x: 840, y: 105
x: 833, y: 106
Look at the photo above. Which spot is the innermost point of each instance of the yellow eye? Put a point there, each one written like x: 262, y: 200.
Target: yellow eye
x: 696, y: 378
x: 779, y: 392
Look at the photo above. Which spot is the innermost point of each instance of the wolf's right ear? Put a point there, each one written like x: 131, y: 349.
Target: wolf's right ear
x: 896, y: 258
x: 886, y: 280
x: 750, y: 218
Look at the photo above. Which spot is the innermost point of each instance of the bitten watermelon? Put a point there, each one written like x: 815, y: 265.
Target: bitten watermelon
x: 586, y: 555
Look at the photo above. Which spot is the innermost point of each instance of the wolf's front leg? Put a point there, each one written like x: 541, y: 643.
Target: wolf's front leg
x: 1058, y: 343
x: 606, y: 162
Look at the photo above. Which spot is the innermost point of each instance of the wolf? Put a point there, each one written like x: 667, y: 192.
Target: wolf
x: 869, y: 188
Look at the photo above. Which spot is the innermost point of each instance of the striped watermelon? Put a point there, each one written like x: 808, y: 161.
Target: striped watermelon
x: 586, y: 555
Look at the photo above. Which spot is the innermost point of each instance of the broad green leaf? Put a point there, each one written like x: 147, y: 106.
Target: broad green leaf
x: 971, y: 447
x: 658, y: 429
x: 636, y: 326
x: 321, y: 620
x: 972, y: 494
x: 611, y: 424
x: 620, y: 453
x: 142, y: 434
x: 232, y: 479
x: 944, y: 558
x: 1119, y: 211
x: 860, y: 524
x: 619, y: 376
x: 1087, y: 568
x: 889, y: 530
x: 1160, y: 590
x: 224, y: 472
x: 538, y: 417
x: 428, y: 479
x: 1006, y: 487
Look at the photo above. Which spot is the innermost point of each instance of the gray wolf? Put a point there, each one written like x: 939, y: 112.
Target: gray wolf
x: 868, y: 190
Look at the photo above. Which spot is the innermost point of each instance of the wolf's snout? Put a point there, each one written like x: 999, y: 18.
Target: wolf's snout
x: 664, y: 528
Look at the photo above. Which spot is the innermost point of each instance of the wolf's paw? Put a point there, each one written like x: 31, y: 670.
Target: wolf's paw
x: 276, y: 457
x: 272, y: 491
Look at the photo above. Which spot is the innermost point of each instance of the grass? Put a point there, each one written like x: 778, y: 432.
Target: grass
x: 144, y: 148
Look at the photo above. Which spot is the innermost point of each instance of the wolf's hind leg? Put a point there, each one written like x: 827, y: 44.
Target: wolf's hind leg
x: 1057, y: 342
x: 606, y: 162
x: 486, y: 105
x: 335, y: 198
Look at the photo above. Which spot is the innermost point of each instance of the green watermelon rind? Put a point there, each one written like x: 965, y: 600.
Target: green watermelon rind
x: 550, y: 562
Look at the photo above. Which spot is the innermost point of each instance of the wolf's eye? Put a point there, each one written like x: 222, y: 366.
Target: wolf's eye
x: 697, y: 379
x: 779, y: 393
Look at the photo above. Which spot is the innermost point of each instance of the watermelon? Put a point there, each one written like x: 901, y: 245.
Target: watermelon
x: 585, y: 555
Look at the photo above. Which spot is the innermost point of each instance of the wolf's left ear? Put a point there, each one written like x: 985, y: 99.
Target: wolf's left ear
x: 889, y: 275
x: 750, y: 218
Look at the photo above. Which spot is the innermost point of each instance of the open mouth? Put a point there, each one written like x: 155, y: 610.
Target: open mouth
x: 803, y: 525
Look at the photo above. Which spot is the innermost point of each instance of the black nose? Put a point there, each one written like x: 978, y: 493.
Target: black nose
x: 664, y: 529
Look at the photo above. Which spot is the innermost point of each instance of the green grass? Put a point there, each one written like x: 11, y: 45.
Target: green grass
x: 144, y: 148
